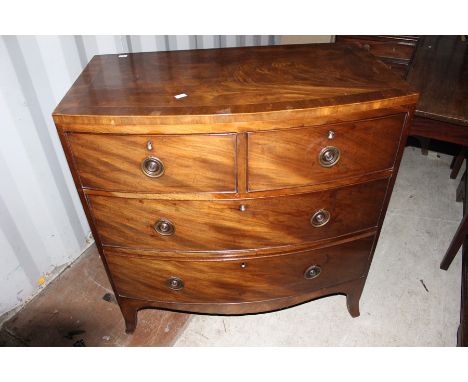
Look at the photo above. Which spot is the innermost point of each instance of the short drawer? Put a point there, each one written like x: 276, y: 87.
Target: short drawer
x: 238, y: 280
x: 304, y: 156
x: 194, y: 225
x: 155, y: 163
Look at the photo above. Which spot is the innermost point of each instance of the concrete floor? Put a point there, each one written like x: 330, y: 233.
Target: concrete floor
x: 78, y: 308
x: 407, y: 301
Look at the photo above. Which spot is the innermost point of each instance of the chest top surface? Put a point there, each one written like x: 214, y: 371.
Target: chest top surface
x: 231, y: 82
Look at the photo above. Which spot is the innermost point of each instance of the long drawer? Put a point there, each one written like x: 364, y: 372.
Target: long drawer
x: 238, y: 280
x: 317, y: 154
x: 194, y: 225
x: 156, y: 163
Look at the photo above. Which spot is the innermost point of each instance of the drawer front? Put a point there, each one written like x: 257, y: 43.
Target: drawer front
x: 237, y: 224
x: 190, y: 163
x: 384, y: 48
x: 238, y: 280
x: 289, y: 158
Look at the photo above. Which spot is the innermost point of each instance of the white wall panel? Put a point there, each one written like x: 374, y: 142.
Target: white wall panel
x: 230, y: 41
x: 13, y: 277
x: 42, y: 223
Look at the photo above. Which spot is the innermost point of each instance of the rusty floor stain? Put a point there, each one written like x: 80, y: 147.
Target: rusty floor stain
x: 79, y: 309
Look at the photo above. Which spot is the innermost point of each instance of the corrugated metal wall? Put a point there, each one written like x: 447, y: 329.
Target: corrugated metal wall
x: 42, y: 224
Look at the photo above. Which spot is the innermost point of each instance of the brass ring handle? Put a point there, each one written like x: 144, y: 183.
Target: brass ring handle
x: 329, y: 156
x: 320, y: 218
x: 312, y: 272
x: 164, y: 227
x: 152, y: 167
x: 175, y: 283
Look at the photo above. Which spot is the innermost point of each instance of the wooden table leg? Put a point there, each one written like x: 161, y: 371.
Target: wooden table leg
x: 461, y: 189
x: 457, y: 163
x: 456, y: 243
x: 424, y: 145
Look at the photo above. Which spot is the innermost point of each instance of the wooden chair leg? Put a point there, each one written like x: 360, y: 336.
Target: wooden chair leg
x: 457, y: 163
x: 456, y: 243
x: 454, y: 160
x: 461, y: 189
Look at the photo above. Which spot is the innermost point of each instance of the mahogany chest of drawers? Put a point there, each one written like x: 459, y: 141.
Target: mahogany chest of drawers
x: 233, y: 181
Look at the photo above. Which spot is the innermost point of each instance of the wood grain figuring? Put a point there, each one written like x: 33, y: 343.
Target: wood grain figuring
x: 230, y: 254
x: 248, y: 195
x: 352, y: 289
x: 366, y: 146
x: 222, y: 82
x: 240, y: 280
x: 237, y: 123
x: 192, y: 162
x: 241, y: 180
x: 221, y: 225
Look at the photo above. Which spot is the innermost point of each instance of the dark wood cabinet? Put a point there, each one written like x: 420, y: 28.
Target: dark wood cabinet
x: 395, y: 51
x: 234, y: 181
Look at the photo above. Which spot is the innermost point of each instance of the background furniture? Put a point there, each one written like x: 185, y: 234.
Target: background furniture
x: 439, y: 71
x: 395, y: 51
x: 235, y: 181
